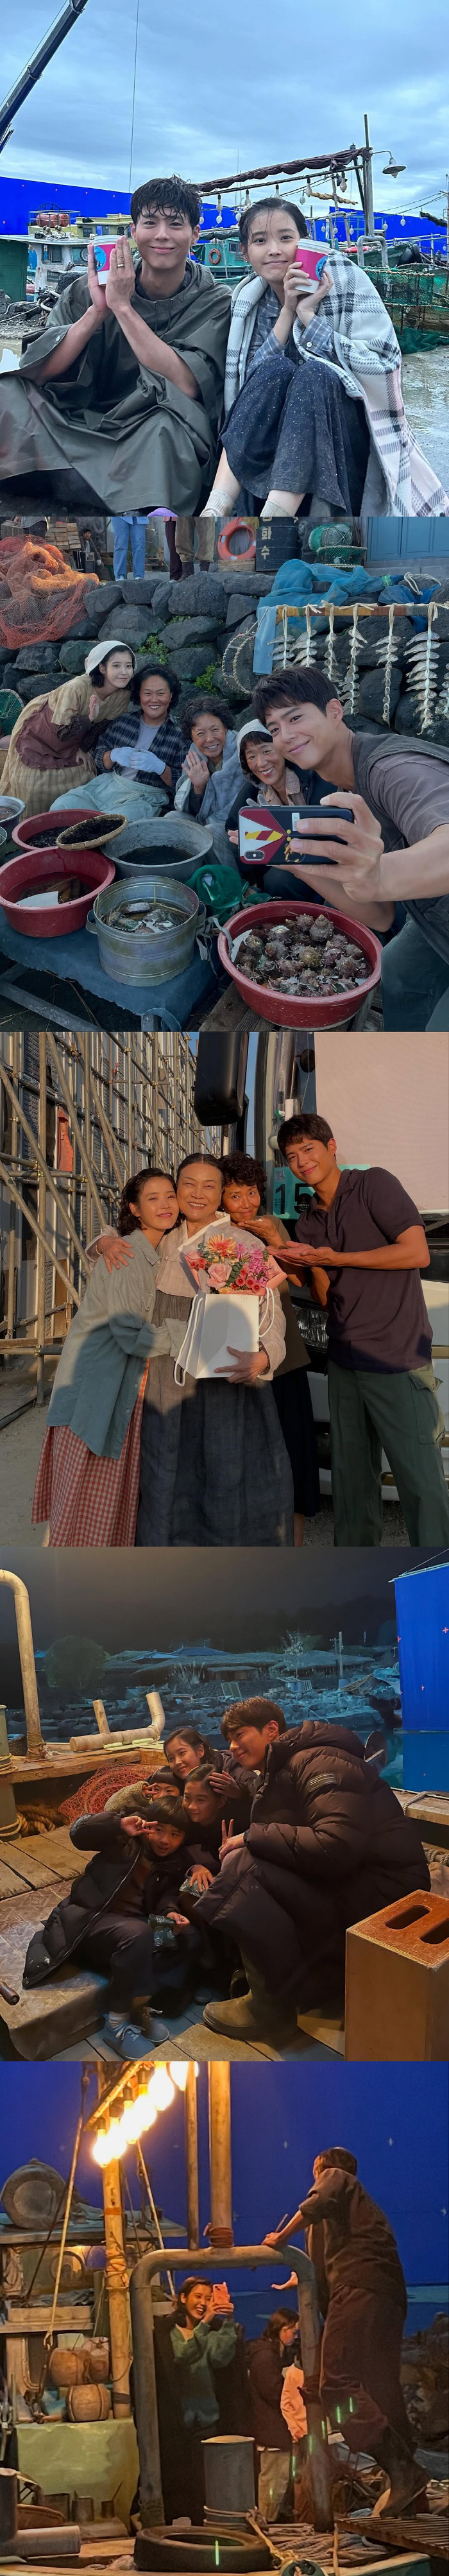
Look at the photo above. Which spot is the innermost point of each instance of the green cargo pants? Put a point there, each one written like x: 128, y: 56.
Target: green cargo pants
x: 371, y: 1411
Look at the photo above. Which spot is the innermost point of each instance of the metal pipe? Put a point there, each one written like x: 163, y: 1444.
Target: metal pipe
x: 219, y: 2085
x: 249, y: 2257
x: 117, y: 2289
x: 191, y: 2130
x: 86, y: 1166
x: 35, y: 1740
x: 36, y: 1229
x: 114, y: 1149
x: 368, y: 176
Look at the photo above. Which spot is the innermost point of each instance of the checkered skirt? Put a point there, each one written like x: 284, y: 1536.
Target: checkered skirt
x: 89, y: 1502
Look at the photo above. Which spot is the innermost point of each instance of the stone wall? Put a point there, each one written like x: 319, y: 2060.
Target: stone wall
x: 209, y: 619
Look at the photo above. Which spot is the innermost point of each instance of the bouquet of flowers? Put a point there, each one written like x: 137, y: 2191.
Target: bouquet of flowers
x: 223, y: 1263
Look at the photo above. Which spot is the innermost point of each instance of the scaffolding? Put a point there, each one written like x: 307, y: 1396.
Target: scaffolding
x: 79, y: 1113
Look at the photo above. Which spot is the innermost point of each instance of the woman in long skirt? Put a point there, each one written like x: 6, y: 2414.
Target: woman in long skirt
x: 52, y: 745
x: 87, y: 1484
x: 244, y: 1200
x: 215, y: 1471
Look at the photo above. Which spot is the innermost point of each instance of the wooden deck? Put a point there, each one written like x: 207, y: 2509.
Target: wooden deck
x: 63, y: 2019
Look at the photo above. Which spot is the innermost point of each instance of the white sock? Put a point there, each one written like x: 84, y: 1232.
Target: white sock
x: 281, y: 505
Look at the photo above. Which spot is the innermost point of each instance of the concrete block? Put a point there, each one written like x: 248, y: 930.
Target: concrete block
x: 45, y: 2018
x: 397, y: 1981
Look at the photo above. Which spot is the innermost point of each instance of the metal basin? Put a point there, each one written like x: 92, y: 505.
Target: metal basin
x: 173, y: 843
x: 134, y: 957
x: 11, y: 807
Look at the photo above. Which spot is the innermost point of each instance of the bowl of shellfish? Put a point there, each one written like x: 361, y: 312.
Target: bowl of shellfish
x: 300, y: 965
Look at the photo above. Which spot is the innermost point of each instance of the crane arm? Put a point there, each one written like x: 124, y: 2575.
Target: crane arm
x: 38, y: 64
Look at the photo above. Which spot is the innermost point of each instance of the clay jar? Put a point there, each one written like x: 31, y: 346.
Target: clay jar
x: 65, y: 2369
x: 89, y: 2404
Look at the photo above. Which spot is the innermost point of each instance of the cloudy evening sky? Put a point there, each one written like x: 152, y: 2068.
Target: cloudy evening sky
x: 218, y: 89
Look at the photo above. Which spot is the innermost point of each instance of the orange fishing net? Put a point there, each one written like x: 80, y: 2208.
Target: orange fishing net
x: 40, y: 596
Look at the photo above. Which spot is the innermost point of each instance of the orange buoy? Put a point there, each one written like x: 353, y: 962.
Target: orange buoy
x: 225, y: 551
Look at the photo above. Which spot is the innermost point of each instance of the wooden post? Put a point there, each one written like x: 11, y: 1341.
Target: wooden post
x: 87, y: 1134
x: 220, y: 2145
x: 157, y: 1712
x: 191, y: 2121
x: 42, y: 1215
x: 10, y: 1315
x: 8, y: 1810
x: 101, y: 1720
x: 117, y: 2289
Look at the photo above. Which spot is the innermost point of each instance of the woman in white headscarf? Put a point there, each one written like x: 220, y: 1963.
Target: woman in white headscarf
x: 52, y: 746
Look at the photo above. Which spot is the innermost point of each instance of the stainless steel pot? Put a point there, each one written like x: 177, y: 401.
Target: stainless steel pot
x: 174, y: 843
x: 130, y: 958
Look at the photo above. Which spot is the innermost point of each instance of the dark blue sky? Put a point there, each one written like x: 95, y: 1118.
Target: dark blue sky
x: 395, y: 2119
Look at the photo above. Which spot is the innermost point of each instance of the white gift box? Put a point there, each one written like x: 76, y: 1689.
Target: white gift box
x: 215, y: 1323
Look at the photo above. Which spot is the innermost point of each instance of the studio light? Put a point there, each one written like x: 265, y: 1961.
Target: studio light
x: 139, y: 2109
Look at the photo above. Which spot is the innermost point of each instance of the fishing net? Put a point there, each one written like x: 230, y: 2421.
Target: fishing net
x: 92, y: 1797
x: 41, y: 598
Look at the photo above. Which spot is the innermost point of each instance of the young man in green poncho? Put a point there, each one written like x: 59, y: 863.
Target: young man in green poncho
x: 119, y: 397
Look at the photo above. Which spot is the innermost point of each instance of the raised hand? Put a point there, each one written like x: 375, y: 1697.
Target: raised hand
x: 121, y: 277
x: 360, y: 843
x: 96, y: 292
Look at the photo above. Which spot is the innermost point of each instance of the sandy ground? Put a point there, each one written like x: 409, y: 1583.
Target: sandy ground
x: 425, y: 386
x: 20, y: 1449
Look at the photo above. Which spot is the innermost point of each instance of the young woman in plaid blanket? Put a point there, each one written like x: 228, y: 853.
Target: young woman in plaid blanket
x: 313, y: 403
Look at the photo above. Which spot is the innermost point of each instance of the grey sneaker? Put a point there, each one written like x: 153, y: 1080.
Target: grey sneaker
x: 127, y: 2037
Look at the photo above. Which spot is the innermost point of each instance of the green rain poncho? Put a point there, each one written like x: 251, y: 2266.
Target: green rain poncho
x: 135, y: 439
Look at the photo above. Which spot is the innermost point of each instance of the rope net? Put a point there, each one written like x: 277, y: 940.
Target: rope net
x: 41, y: 598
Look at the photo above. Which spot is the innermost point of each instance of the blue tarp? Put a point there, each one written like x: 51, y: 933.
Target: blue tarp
x: 422, y: 1608
x: 297, y: 582
x: 75, y: 960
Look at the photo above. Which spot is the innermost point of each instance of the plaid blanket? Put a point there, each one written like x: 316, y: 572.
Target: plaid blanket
x: 367, y: 358
x: 167, y: 742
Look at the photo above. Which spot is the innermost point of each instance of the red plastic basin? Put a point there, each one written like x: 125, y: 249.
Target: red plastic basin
x: 286, y: 1010
x: 25, y: 831
x: 31, y: 870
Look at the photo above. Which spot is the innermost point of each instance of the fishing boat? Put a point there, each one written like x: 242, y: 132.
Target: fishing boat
x: 407, y: 257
